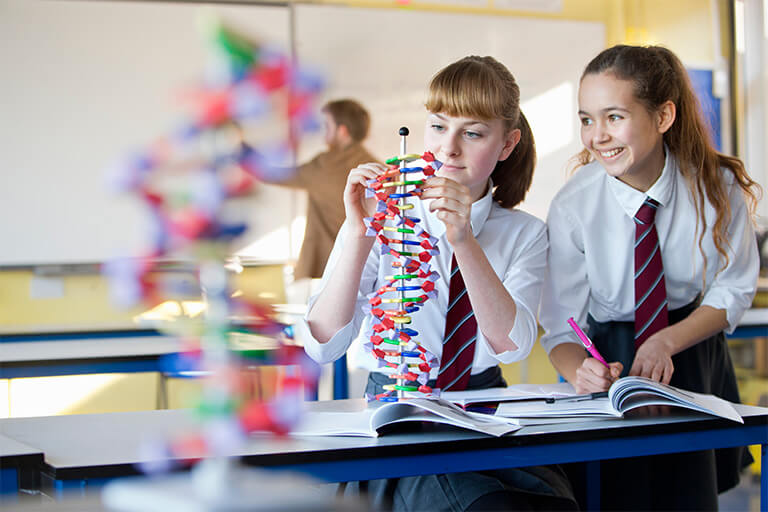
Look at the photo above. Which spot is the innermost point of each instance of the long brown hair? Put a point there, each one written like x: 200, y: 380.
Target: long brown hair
x: 483, y: 88
x: 659, y: 76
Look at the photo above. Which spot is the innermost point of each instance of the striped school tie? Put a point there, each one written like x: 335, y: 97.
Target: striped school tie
x: 459, y: 337
x: 650, y: 288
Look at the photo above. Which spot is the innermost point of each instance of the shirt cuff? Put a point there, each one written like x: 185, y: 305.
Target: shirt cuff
x: 734, y: 307
x: 523, y: 334
x: 330, y: 351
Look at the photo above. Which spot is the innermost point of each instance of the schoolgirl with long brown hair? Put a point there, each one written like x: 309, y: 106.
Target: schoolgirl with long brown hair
x: 653, y: 252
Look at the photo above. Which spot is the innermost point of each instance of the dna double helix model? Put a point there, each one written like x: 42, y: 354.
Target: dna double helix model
x: 412, y: 282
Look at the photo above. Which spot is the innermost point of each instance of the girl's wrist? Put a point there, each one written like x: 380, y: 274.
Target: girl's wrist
x: 466, y: 246
x: 360, y: 240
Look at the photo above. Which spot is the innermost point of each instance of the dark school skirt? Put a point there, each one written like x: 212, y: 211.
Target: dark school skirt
x: 533, y: 488
x: 685, y: 481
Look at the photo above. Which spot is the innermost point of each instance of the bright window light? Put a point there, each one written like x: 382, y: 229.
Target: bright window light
x: 738, y: 22
x: 273, y: 246
x: 551, y: 115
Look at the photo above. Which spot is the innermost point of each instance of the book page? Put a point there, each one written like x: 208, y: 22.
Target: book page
x: 631, y: 392
x: 367, y: 422
x: 513, y: 392
x: 325, y: 423
x: 437, y: 410
x: 591, y: 407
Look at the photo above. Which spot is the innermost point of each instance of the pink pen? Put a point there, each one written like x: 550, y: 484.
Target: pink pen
x: 587, y: 342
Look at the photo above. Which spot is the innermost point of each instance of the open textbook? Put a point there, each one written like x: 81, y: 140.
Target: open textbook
x: 509, y: 393
x: 625, y: 394
x: 369, y: 422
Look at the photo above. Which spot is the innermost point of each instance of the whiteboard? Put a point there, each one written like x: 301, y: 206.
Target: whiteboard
x: 386, y: 57
x: 83, y: 83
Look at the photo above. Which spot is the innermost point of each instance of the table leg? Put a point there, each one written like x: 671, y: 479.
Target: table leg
x: 764, y: 477
x: 593, y: 485
x: 340, y: 379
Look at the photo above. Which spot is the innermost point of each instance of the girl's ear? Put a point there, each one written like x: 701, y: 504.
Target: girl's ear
x: 511, y: 140
x: 667, y: 114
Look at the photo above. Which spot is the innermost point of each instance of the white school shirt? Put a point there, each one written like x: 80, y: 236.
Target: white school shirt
x: 591, y: 254
x: 515, y: 244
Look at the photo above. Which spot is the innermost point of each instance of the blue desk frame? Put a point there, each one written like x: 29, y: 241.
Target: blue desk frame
x: 750, y: 331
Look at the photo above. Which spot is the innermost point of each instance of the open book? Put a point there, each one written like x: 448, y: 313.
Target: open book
x: 509, y: 393
x: 625, y: 394
x: 369, y: 422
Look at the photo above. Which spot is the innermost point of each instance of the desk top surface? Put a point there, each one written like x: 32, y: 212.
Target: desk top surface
x: 13, y: 451
x: 754, y: 316
x: 109, y: 348
x: 27, y: 351
x: 93, y: 444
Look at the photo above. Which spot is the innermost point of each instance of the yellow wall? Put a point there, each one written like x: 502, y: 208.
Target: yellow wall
x: 85, y: 303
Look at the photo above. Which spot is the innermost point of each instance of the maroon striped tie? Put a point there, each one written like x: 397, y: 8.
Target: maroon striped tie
x: 650, y: 288
x: 459, y: 337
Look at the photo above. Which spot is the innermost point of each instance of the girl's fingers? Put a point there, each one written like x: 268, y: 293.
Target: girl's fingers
x: 451, y: 218
x: 657, y: 372
x: 375, y: 167
x: 447, y: 192
x: 590, y: 383
x: 593, y: 376
x: 363, y: 173
x: 669, y: 369
x: 437, y: 187
x: 450, y: 206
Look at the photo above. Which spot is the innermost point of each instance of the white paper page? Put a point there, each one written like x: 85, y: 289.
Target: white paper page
x: 556, y: 420
x: 439, y: 411
x: 708, y: 404
x: 560, y: 408
x: 514, y: 392
x: 324, y: 423
x: 632, y: 392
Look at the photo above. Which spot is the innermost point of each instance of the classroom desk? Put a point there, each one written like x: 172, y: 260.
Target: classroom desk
x: 47, y: 355
x: 85, y: 450
x: 128, y: 350
x: 80, y: 353
x: 16, y: 459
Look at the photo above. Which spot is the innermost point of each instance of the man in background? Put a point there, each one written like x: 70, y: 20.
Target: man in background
x: 346, y: 125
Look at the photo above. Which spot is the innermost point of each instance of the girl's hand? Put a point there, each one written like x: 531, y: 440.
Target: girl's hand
x: 452, y: 203
x: 356, y: 205
x: 654, y: 359
x: 592, y: 376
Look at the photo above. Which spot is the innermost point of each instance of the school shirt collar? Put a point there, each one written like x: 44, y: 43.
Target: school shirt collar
x: 631, y: 199
x: 481, y: 210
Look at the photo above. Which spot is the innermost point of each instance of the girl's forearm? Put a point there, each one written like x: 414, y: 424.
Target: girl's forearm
x: 494, y: 308
x: 567, y: 358
x: 335, y: 306
x: 702, y: 323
